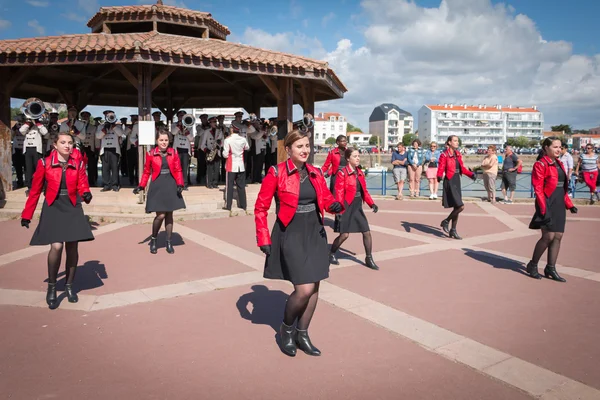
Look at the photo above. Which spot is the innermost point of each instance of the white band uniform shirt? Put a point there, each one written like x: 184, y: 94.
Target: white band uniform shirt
x: 181, y: 138
x: 233, y: 151
x: 18, y: 141
x: 260, y: 139
x: 79, y: 130
x: 33, y: 136
x: 111, y: 138
x: 132, y: 137
x: 209, y: 141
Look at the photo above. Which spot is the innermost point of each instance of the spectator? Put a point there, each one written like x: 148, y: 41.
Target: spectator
x: 509, y: 174
x: 399, y: 157
x: 589, y: 164
x: 490, y: 171
x: 432, y: 157
x: 567, y: 161
x: 416, y: 159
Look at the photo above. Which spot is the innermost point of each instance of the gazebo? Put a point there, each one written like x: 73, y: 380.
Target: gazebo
x: 161, y: 56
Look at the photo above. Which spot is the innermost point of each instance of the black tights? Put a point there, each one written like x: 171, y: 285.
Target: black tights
x: 158, y: 220
x: 454, y: 216
x: 550, y: 241
x: 55, y: 256
x: 301, y: 305
x: 367, y: 242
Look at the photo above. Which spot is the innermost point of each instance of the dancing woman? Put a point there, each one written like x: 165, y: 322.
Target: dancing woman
x: 164, y: 195
x: 297, y: 250
x: 62, y: 222
x: 335, y: 161
x: 351, y: 191
x: 550, y: 183
x: 451, y: 164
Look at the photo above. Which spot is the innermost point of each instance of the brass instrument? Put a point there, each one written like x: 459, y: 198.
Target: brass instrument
x: 273, y: 131
x: 72, y: 127
x: 305, y: 124
x: 211, y: 155
x: 111, y: 118
x: 53, y: 127
x: 252, y: 118
x: 34, y: 108
x: 189, y: 121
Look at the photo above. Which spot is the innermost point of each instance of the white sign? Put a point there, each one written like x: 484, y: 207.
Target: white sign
x: 147, y: 133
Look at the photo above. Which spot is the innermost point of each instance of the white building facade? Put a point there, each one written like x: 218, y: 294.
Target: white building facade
x: 358, y: 138
x: 390, y: 123
x: 329, y: 125
x: 479, y: 125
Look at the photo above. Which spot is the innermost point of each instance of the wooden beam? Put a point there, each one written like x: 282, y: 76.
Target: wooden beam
x: 160, y: 78
x: 232, y: 83
x: 67, y: 97
x: 129, y: 76
x: 144, y: 87
x: 18, y: 78
x: 284, y: 114
x: 271, y: 84
x: 5, y: 139
x: 308, y: 106
x: 86, y: 83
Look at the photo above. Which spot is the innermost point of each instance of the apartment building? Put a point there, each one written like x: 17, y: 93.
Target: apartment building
x: 358, y: 138
x: 329, y: 125
x: 390, y: 123
x: 479, y: 125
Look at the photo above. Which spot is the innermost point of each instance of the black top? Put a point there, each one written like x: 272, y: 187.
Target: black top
x: 165, y: 164
x: 308, y: 194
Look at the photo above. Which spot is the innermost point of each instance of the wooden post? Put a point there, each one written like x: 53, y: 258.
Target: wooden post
x: 5, y: 145
x: 284, y: 114
x: 308, y: 105
x: 144, y: 111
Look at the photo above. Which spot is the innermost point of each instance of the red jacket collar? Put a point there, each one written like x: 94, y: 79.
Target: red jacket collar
x: 547, y: 160
x: 55, y: 163
x: 455, y: 153
x: 350, y: 171
x: 291, y: 168
x: 156, y: 151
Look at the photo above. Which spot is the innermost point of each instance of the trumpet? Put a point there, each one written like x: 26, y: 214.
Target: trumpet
x: 273, y: 131
x: 305, y: 124
x: 189, y: 121
x: 34, y: 108
x: 53, y: 127
x: 111, y: 118
x: 252, y: 118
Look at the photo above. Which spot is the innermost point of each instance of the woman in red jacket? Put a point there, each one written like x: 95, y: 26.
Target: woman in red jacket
x: 164, y: 195
x: 62, y: 222
x: 351, y: 191
x: 550, y: 183
x: 451, y: 164
x: 335, y: 161
x: 297, y: 249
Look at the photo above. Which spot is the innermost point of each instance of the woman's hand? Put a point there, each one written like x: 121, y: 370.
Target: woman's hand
x: 137, y: 190
x: 87, y: 197
x: 25, y: 222
x: 266, y: 249
x: 179, y: 190
x: 573, y: 210
x: 374, y: 208
x: 335, y: 207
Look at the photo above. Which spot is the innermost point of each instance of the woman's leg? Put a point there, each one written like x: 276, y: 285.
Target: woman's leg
x: 417, y: 177
x: 368, y: 243
x: 436, y: 185
x: 337, y: 243
x: 305, y: 316
x: 411, y: 185
x: 72, y: 250
x: 54, y: 258
x: 301, y: 305
x: 553, y: 249
x: 431, y: 187
x: 453, y: 217
x: 157, y: 223
x: 169, y: 225
x: 541, y: 246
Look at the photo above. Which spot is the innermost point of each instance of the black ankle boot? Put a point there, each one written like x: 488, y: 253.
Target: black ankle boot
x: 288, y: 345
x: 153, y: 246
x: 370, y: 263
x: 304, y: 343
x: 444, y: 225
x: 71, y: 295
x: 550, y: 273
x: 532, y: 270
x: 333, y: 259
x: 170, y: 248
x: 51, y: 298
x: 453, y: 234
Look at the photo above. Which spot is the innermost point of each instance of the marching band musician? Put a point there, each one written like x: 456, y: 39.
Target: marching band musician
x: 132, y: 151
x: 53, y: 129
x: 90, y: 143
x: 159, y: 124
x: 110, y: 151
x: 73, y: 126
x: 18, y: 158
x: 271, y: 153
x: 244, y: 132
x: 33, y: 131
x: 123, y: 160
x: 201, y: 130
x: 183, y: 145
x: 258, y: 155
x: 226, y: 133
x: 233, y: 151
x: 212, y: 140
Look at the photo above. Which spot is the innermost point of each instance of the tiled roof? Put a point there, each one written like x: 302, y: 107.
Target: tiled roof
x: 462, y: 107
x: 119, y: 11
x: 356, y: 133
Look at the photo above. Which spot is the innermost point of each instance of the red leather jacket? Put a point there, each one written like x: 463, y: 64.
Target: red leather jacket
x: 154, y: 164
x: 284, y: 180
x: 345, y: 186
x: 447, y: 164
x: 49, y: 170
x: 544, y: 179
x: 332, y: 162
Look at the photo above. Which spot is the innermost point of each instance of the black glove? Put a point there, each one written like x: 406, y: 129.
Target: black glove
x: 25, y: 222
x: 374, y: 208
x: 439, y: 179
x: 179, y: 190
x: 137, y: 190
x: 87, y: 197
x: 573, y: 210
x: 266, y: 249
x: 335, y: 207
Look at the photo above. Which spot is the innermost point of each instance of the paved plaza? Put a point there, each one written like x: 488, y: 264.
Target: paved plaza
x: 442, y: 319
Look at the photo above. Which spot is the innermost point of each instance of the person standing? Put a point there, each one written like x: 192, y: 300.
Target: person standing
x: 335, y: 161
x: 18, y: 158
x: 451, y: 165
x: 432, y: 157
x: 201, y: 131
x: 211, y: 146
x: 297, y: 249
x: 62, y: 222
x: 509, y: 174
x: 233, y: 152
x: 126, y: 129
x: 258, y: 155
x: 89, y: 144
x: 549, y: 181
x: 182, y: 143
x: 34, y: 131
x: 132, y: 150
x: 245, y: 132
x: 416, y: 160
x: 110, y: 135
x: 271, y: 152
x: 489, y: 165
x: 165, y: 194
x: 567, y: 160
x: 221, y: 125
x: 589, y: 163
x: 351, y: 191
x: 399, y: 162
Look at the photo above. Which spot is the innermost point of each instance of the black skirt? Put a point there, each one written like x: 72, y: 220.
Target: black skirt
x: 452, y: 194
x: 162, y: 195
x: 353, y: 219
x: 556, y: 211
x: 62, y: 222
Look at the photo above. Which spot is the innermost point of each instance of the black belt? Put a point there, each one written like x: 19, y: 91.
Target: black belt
x: 111, y: 149
x: 165, y: 171
x: 182, y: 151
x: 63, y: 192
x: 305, y: 208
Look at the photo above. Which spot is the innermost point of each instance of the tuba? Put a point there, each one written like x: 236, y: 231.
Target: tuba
x: 305, y: 124
x: 34, y: 108
x: 189, y: 121
x: 111, y: 118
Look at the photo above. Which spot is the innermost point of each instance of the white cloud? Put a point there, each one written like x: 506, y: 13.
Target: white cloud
x: 35, y: 25
x: 90, y: 7
x: 71, y: 16
x: 175, y: 3
x: 464, y: 51
x: 36, y: 3
x: 4, y: 24
x: 327, y: 18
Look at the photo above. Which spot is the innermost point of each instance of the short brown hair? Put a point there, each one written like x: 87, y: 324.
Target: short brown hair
x: 55, y: 137
x: 416, y: 140
x: 348, y: 152
x: 162, y: 131
x: 492, y: 148
x: 293, y: 137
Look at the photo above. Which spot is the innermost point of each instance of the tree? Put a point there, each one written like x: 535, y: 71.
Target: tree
x: 562, y: 128
x: 352, y: 128
x: 533, y: 143
x: 521, y: 141
x: 426, y: 144
x: 330, y: 140
x: 373, y: 140
x: 63, y: 114
x: 14, y: 111
x: 408, y: 139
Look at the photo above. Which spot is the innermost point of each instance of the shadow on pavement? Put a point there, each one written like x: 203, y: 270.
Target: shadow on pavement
x: 496, y: 261
x: 267, y: 306
x: 88, y: 276
x: 161, y: 240
x: 430, y: 230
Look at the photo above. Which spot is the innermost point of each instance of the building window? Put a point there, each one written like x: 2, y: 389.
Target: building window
x: 341, y: 127
x: 332, y: 126
x: 316, y: 136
